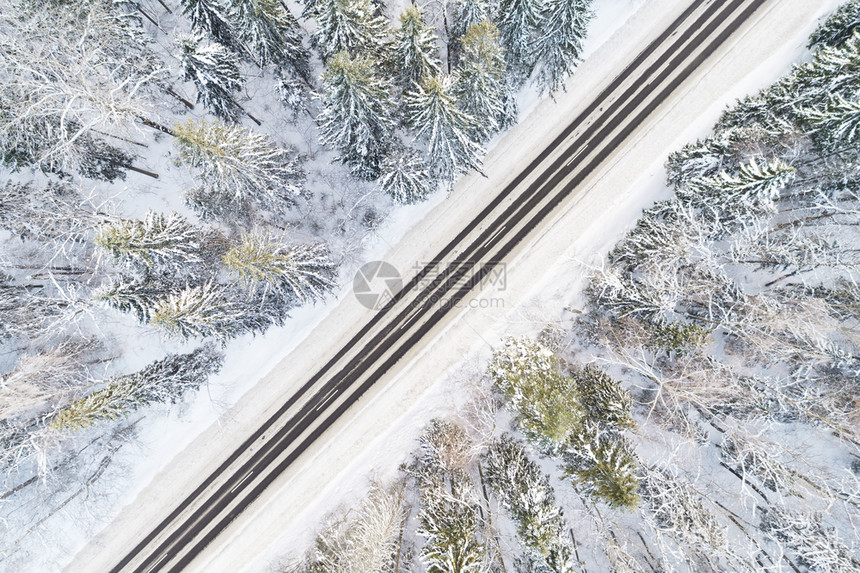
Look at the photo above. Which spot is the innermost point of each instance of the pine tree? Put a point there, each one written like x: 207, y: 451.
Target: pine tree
x: 529, y: 375
x: 432, y: 111
x: 130, y: 296
x: 604, y: 400
x: 215, y: 72
x: 466, y: 14
x: 238, y: 166
x: 165, y: 380
x: 273, y: 34
x: 602, y: 465
x: 356, y: 113
x: 351, y: 26
x: 838, y: 27
x: 414, y: 50
x: 559, y: 44
x: 301, y: 272
x: 835, y: 125
x: 405, y: 177
x: 480, y: 87
x: 199, y: 311
x: 520, y: 23
x: 725, y: 196
x: 529, y: 497
x: 293, y: 95
x: 157, y: 240
x: 212, y: 17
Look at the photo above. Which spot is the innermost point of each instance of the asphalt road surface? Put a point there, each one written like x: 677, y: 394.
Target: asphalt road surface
x: 427, y: 299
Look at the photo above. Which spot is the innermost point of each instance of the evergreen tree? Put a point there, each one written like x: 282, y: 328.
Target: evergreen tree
x: 302, y: 272
x: 559, y: 44
x: 602, y: 464
x: 603, y: 399
x: 356, y: 113
x: 414, y: 50
x: 449, y: 132
x: 351, y: 26
x: 725, y: 196
x: 198, y: 311
x: 529, y: 497
x: 480, y: 87
x: 215, y: 72
x: 165, y: 380
x: 466, y: 14
x: 212, y: 17
x: 238, y: 166
x: 835, y: 125
x: 837, y: 28
x: 157, y: 240
x: 273, y: 34
x: 127, y: 295
x: 529, y: 375
x: 405, y: 177
x: 520, y: 24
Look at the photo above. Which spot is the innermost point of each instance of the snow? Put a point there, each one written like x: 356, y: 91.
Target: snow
x: 176, y: 450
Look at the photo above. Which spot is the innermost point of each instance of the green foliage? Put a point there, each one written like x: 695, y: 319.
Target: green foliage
x: 198, y: 311
x: 351, y: 26
x: 272, y: 33
x: 481, y: 87
x: 679, y: 337
x: 238, y: 167
x: 449, y: 132
x: 530, y: 377
x: 604, y: 466
x: 127, y: 295
x: 449, y: 515
x: 165, y: 380
x: 582, y: 413
x: 603, y: 399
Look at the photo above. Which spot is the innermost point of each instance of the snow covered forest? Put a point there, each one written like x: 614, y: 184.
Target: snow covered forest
x: 700, y: 411
x: 179, y: 174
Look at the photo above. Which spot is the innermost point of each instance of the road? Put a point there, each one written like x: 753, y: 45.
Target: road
x: 428, y: 298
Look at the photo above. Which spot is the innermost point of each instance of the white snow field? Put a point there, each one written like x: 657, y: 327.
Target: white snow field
x: 373, y: 438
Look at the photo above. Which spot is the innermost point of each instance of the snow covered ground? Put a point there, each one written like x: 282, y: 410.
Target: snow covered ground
x: 175, y: 449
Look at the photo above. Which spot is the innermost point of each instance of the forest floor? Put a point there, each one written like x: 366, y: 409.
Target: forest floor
x: 542, y: 284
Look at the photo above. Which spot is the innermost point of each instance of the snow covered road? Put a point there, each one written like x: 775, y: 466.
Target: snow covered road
x: 631, y: 138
